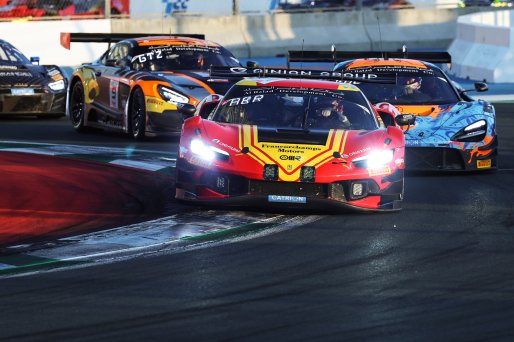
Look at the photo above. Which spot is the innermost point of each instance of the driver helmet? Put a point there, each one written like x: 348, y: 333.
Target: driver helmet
x: 412, y: 83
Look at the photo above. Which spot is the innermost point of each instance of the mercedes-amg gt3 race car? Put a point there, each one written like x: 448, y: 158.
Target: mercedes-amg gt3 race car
x: 452, y: 132
x: 138, y: 83
x: 282, y: 142
x: 27, y: 88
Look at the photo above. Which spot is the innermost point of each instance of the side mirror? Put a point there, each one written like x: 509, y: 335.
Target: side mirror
x: 252, y: 64
x: 387, y: 118
x: 481, y: 86
x: 405, y: 119
x: 187, y: 109
x: 34, y: 60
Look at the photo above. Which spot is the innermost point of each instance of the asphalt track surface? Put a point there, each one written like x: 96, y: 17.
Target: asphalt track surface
x: 439, y: 270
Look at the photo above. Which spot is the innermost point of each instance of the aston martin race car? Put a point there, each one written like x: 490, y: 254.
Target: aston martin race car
x: 288, y: 142
x: 452, y: 131
x: 137, y: 85
x: 27, y: 88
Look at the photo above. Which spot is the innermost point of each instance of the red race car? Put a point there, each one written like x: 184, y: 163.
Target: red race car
x: 288, y: 142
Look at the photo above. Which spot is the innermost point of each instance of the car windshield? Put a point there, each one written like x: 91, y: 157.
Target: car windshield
x: 296, y: 108
x: 412, y: 89
x: 10, y: 55
x: 181, y: 57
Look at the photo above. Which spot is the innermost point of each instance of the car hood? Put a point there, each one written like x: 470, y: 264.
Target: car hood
x: 250, y: 148
x: 197, y: 83
x: 438, y: 123
x: 23, y: 76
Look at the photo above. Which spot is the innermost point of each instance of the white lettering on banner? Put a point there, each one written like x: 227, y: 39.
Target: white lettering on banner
x: 287, y: 199
x: 243, y: 100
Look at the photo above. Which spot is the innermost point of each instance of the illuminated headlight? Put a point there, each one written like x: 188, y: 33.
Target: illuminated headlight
x: 473, y: 132
x: 171, y: 95
x: 207, y: 152
x: 475, y: 125
x: 375, y: 159
x: 55, y: 86
x: 199, y: 148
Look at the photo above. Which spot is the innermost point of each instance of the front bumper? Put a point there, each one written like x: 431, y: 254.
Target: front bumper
x: 451, y: 159
x: 215, y: 188
x: 169, y: 122
x: 39, y: 103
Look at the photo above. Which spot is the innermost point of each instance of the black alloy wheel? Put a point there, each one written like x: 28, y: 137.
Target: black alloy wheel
x: 77, y: 106
x: 137, y: 115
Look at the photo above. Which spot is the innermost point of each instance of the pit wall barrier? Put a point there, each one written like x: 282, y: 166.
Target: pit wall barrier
x: 254, y: 35
x: 484, y: 47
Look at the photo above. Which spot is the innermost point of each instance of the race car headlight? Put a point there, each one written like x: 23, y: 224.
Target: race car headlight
x: 58, y: 85
x: 171, y: 95
x: 375, y: 159
x: 473, y: 132
x: 207, y: 152
x: 202, y: 150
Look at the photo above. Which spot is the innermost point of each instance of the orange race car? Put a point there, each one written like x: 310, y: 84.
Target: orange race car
x: 452, y: 131
x: 137, y: 85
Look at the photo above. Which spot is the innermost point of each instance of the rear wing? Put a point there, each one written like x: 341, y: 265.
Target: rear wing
x: 220, y: 71
x: 67, y: 38
x: 313, y: 56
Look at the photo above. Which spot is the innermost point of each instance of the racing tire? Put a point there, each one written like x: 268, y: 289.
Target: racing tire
x: 137, y: 115
x: 77, y: 107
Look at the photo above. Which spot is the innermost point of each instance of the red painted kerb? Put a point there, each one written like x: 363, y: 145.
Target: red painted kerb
x: 46, y: 196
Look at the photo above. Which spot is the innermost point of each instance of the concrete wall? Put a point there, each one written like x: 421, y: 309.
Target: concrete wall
x: 255, y: 36
x: 484, y: 47
x: 251, y: 36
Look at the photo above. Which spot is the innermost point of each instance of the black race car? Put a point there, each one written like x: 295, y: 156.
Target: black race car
x: 27, y: 88
x: 139, y: 83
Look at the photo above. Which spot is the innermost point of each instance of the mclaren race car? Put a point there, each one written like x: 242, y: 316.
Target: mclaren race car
x: 137, y: 85
x: 27, y: 88
x: 288, y: 142
x: 452, y: 131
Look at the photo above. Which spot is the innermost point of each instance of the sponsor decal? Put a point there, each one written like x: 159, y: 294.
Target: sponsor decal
x: 154, y: 101
x: 149, y: 56
x: 196, y: 160
x: 379, y: 171
x: 287, y: 199
x: 484, y: 164
x: 243, y: 100
x: 291, y: 148
x: 8, y: 67
x: 354, y: 153
x: 221, y: 143
x: 113, y: 93
x: 286, y: 157
x: 22, y: 91
x: 15, y: 74
x: 57, y: 77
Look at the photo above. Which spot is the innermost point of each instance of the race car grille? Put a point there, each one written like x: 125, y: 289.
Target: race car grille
x: 26, y: 104
x: 433, y: 158
x: 288, y: 189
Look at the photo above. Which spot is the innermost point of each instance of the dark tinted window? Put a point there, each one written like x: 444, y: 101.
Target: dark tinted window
x: 9, y: 54
x: 412, y: 88
x: 181, y: 57
x: 296, y: 108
